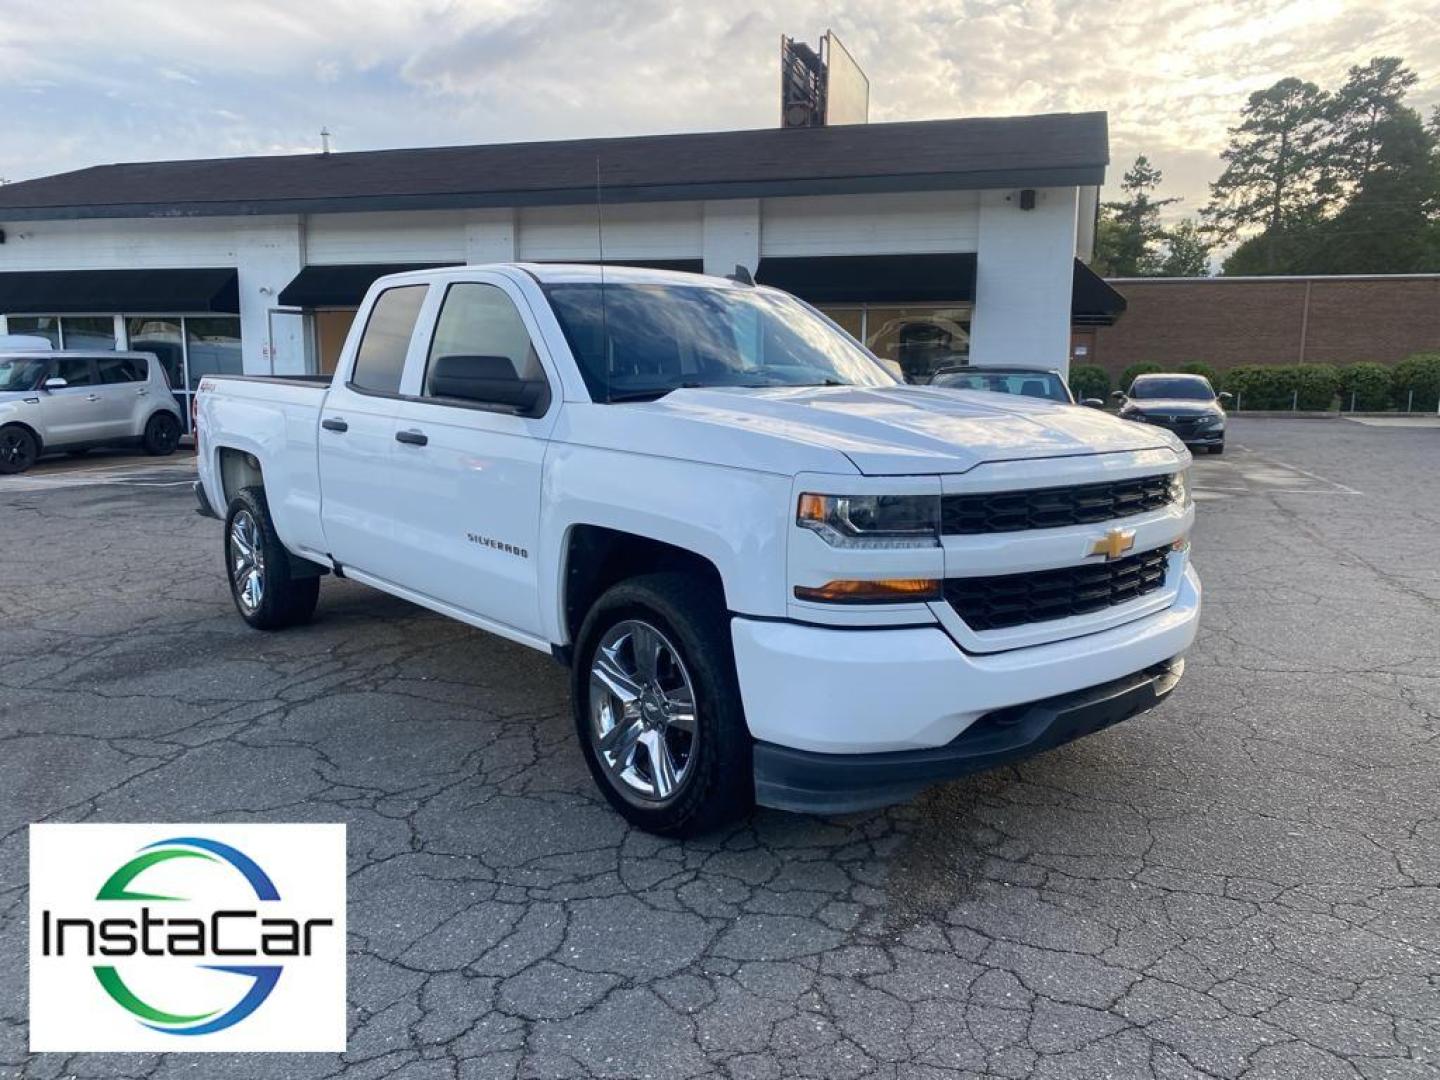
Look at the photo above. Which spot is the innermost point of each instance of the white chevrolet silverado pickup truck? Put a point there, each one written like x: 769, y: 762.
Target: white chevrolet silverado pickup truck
x: 776, y: 574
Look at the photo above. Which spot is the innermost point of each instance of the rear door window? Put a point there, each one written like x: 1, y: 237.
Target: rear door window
x: 121, y: 369
x: 76, y: 370
x: 381, y: 359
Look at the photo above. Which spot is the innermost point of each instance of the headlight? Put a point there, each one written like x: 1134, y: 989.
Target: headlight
x: 872, y: 521
x: 1212, y: 420
x: 1180, y: 489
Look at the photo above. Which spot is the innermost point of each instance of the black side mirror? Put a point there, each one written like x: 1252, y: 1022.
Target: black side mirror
x: 1117, y: 395
x: 1093, y: 403
x: 55, y: 383
x: 1225, y: 397
x: 489, y: 380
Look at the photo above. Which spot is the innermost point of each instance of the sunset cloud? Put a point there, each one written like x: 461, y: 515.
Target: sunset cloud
x: 85, y: 83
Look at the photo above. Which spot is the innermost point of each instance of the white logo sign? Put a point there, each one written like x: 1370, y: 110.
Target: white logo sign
x: 187, y: 938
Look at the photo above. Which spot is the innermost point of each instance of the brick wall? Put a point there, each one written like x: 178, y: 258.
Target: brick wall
x: 1245, y: 321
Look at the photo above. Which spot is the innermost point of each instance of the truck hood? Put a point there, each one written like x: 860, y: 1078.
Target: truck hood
x: 901, y: 430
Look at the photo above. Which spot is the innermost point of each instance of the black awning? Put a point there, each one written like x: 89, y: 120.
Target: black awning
x: 124, y: 292
x: 1093, y: 301
x: 879, y: 279
x: 341, y: 286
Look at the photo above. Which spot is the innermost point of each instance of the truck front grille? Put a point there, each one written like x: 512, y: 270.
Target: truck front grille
x: 993, y: 603
x: 1053, y: 507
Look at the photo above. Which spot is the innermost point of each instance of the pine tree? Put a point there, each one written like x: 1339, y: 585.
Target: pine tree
x: 1129, y: 231
x: 1275, y: 176
x: 1187, y: 251
x: 1371, y: 97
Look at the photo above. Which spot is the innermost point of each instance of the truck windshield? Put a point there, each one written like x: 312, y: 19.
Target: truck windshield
x: 20, y: 372
x: 643, y: 341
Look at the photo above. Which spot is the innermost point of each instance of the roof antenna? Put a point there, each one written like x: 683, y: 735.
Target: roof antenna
x: 324, y: 140
x: 600, y: 245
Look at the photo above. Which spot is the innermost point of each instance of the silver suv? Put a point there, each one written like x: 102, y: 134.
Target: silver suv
x: 72, y: 401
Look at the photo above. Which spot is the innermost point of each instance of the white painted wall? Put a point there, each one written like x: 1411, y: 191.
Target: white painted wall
x: 412, y: 236
x: 886, y: 224
x: 1024, y: 279
x: 731, y: 236
x: 631, y: 231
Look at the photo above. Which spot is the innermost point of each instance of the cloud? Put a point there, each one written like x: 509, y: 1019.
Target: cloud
x: 83, y: 83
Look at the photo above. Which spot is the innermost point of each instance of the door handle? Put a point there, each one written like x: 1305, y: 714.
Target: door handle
x: 92, y: 397
x: 141, y: 392
x: 414, y: 438
x: 334, y: 424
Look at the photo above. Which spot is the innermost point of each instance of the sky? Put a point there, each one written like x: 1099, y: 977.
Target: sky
x: 132, y: 80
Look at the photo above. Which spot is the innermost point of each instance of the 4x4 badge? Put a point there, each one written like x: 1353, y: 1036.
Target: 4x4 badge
x: 1114, y: 543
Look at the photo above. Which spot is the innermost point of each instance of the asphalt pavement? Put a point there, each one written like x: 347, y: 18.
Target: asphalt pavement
x: 1244, y: 883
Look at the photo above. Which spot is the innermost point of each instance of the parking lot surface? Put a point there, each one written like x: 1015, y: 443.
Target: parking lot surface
x: 1244, y: 883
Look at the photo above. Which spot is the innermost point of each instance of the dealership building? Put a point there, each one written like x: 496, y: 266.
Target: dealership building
x: 935, y: 242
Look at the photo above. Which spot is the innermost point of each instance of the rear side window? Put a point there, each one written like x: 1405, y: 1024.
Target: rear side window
x: 121, y: 369
x: 76, y: 370
x: 480, y: 320
x: 381, y: 359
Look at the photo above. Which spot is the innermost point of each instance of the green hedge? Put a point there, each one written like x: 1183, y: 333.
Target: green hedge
x: 1310, y: 387
x: 1199, y: 367
x: 1089, y: 381
x: 1420, y: 373
x: 1365, y: 386
x: 1128, y: 375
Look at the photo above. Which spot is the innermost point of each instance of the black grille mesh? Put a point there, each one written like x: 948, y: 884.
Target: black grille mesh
x: 992, y: 603
x: 1049, y: 508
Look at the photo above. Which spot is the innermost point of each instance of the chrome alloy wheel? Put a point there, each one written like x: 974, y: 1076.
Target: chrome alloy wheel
x: 247, y: 562
x: 642, y: 712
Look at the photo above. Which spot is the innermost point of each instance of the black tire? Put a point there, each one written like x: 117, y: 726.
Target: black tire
x: 1218, y: 448
x: 283, y: 600
x: 162, y: 434
x: 18, y: 449
x: 718, y: 786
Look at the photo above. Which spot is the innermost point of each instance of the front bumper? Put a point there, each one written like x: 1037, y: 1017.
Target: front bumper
x: 835, y: 692
x: 803, y: 780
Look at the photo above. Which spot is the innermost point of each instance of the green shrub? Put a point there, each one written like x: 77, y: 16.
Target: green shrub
x: 1365, y: 386
x: 1128, y: 375
x: 1089, y: 381
x: 1199, y: 367
x: 1420, y: 373
x: 1317, y: 385
x: 1256, y: 386
x: 1283, y: 386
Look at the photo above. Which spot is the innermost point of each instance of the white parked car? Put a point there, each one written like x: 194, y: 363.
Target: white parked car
x: 776, y: 573
x: 73, y: 401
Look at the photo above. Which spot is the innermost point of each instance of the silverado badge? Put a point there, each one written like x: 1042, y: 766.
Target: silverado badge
x: 1114, y: 543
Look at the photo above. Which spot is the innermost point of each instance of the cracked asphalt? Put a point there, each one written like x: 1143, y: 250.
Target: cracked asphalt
x: 1245, y: 883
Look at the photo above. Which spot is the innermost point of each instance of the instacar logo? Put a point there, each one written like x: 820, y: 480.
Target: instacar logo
x: 187, y: 944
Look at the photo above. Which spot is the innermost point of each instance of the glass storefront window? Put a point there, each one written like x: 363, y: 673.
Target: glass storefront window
x: 330, y: 330
x: 851, y: 320
x: 161, y: 336
x: 920, y: 338
x: 45, y: 326
x: 213, y: 347
x: 88, y: 331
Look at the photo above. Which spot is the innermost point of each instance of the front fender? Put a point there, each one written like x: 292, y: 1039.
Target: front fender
x: 736, y: 519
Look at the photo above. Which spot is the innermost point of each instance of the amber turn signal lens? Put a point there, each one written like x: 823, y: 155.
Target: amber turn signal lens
x: 884, y: 591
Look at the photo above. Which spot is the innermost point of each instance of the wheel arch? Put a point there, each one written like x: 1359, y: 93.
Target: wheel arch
x: 596, y: 557
x: 237, y: 469
x: 39, y: 439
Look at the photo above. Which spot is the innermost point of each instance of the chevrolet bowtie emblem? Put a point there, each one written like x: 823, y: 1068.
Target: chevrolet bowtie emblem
x: 1114, y: 543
